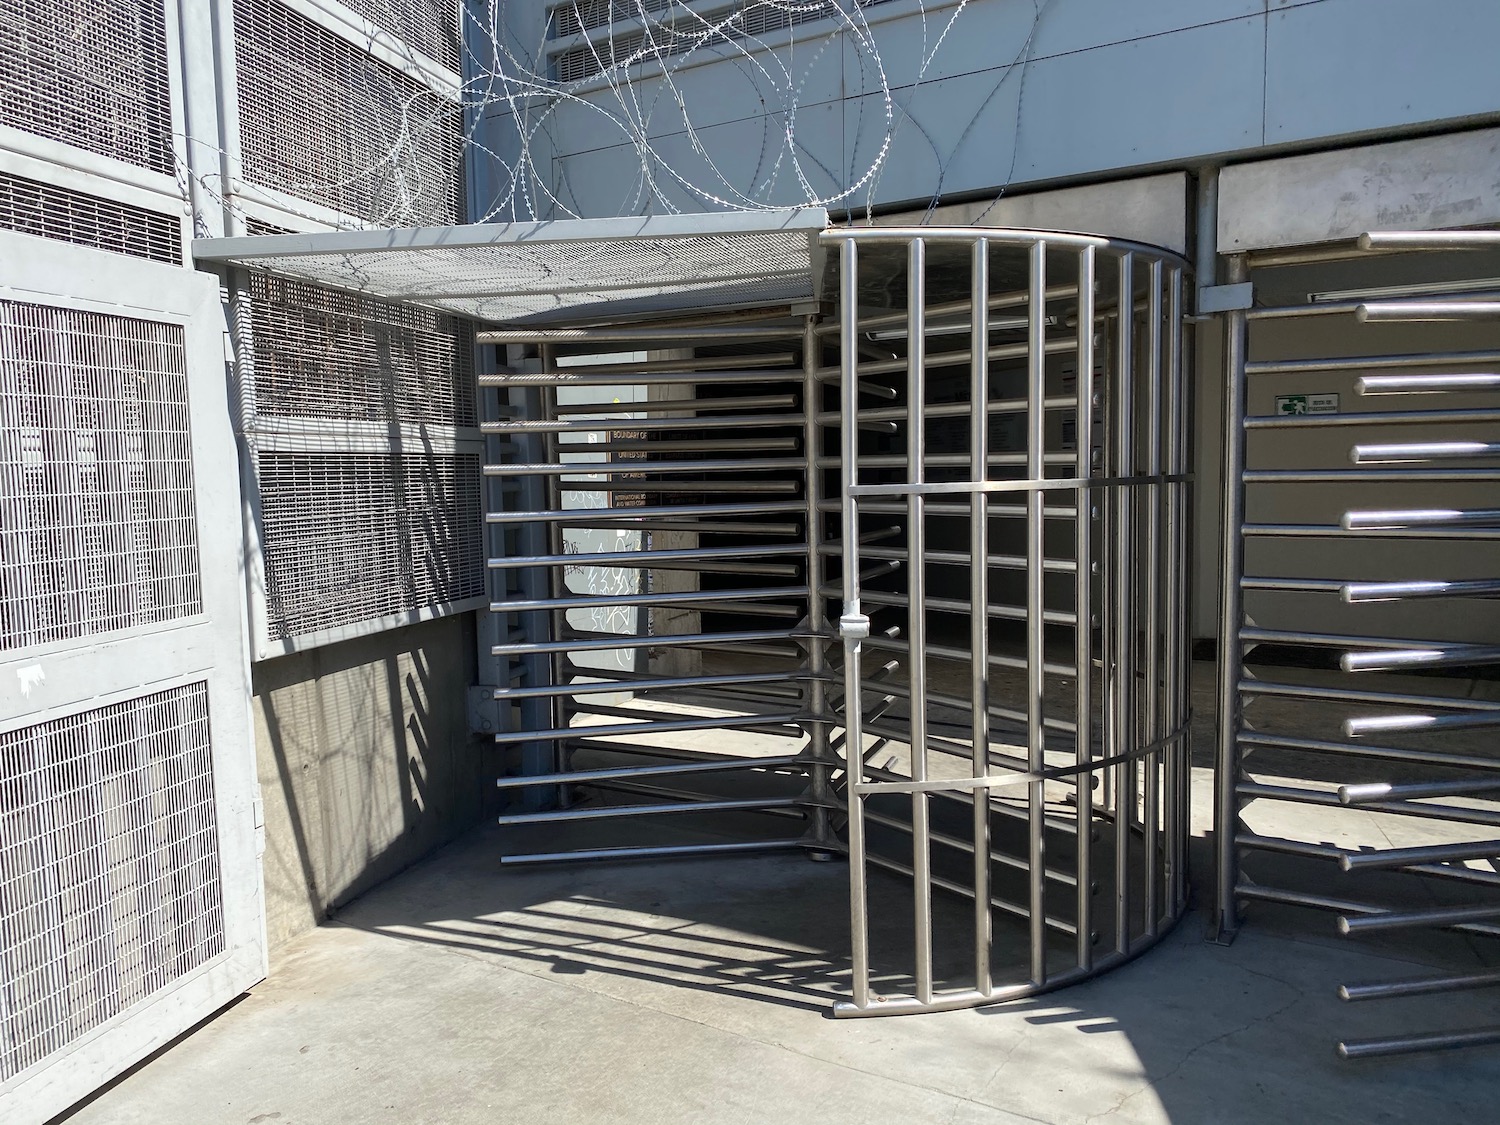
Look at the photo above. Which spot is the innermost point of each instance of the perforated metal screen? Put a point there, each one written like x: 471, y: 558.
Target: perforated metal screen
x: 322, y: 353
x: 91, y: 73
x: 32, y: 207
x: 109, y: 866
x: 356, y: 537
x: 324, y: 121
x: 560, y: 270
x: 429, y: 26
x: 97, y: 511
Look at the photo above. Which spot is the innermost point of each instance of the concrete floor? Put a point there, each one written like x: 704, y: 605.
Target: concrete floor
x: 698, y: 990
x: 460, y: 992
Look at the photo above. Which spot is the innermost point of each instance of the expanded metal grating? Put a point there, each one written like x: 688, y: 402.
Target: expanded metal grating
x: 91, y: 73
x: 429, y: 26
x: 364, y: 138
x: 98, y: 526
x: 32, y: 207
x: 350, y: 538
x: 109, y: 866
x: 557, y: 270
x: 321, y: 353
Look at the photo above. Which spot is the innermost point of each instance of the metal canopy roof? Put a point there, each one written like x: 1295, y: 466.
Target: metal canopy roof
x: 568, y: 270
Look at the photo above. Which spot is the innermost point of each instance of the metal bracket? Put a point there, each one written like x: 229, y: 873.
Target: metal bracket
x: 1225, y: 298
x: 854, y: 626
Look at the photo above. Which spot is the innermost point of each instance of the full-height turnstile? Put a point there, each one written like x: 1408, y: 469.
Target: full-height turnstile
x: 1360, y: 523
x: 905, y: 582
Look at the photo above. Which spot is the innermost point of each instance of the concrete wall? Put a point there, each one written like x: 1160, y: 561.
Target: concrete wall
x: 1100, y: 89
x: 366, y: 764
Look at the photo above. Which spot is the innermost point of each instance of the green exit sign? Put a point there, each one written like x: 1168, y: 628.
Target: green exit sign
x: 1307, y: 404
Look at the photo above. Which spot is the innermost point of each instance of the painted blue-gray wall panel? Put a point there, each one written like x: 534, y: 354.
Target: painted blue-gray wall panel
x: 1350, y: 66
x: 1125, y: 105
x: 608, y: 181
x: 991, y: 33
x: 1168, y: 98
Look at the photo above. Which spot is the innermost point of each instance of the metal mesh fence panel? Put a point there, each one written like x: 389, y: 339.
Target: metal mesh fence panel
x: 91, y: 73
x: 429, y: 26
x: 99, y: 528
x: 324, y: 121
x: 354, y: 537
x: 32, y: 207
x: 109, y: 866
x: 321, y: 353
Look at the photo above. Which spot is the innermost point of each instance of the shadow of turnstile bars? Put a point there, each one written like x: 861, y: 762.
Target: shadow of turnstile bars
x: 1426, y: 466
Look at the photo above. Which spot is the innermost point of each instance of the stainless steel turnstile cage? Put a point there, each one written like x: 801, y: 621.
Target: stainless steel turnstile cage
x: 1366, y: 533
x: 983, y: 455
x: 1014, y: 495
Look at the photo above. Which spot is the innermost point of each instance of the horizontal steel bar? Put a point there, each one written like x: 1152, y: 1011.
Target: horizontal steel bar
x: 1368, y: 362
x: 1286, y: 897
x: 1388, y: 858
x: 703, y: 369
x: 1444, y: 657
x: 732, y: 557
x: 948, y: 652
x: 1334, y: 531
x: 938, y: 508
x: 1301, y: 585
x: 1370, y: 418
x: 610, y: 812
x: 673, y: 336
x: 693, y: 422
x: 1256, y: 635
x: 663, y: 450
x: 641, y: 466
x: 1328, y: 693
x: 1429, y: 240
x: 958, y: 358
x: 1378, y: 312
x: 669, y: 851
x: 1366, y: 792
x: 1421, y: 724
x: 961, y: 605
x: 655, y: 406
x: 1382, y: 476
x: 1419, y: 1042
x: 937, y: 311
x: 1421, y: 986
x: 1251, y: 841
x: 1439, y: 917
x: 1254, y: 789
x: 719, y: 527
x: 680, y: 640
x: 1420, y: 517
x: 1000, y: 236
x: 958, y: 558
x: 652, y: 726
x: 1423, y: 451
x: 572, y: 515
x: 583, y: 777
x: 648, y: 683
x: 992, y: 487
x: 1358, y: 592
x: 1425, y: 384
x: 952, y: 410
x: 1387, y: 753
x: 674, y: 597
x: 899, y: 690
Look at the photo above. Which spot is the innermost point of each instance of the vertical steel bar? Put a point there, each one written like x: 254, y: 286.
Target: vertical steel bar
x: 1036, y: 637
x: 1151, y: 496
x: 916, y: 548
x: 1083, y: 748
x: 979, y: 701
x: 1122, y: 602
x: 815, y: 691
x: 555, y: 581
x: 1231, y: 612
x: 853, y: 626
x: 1176, y: 658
